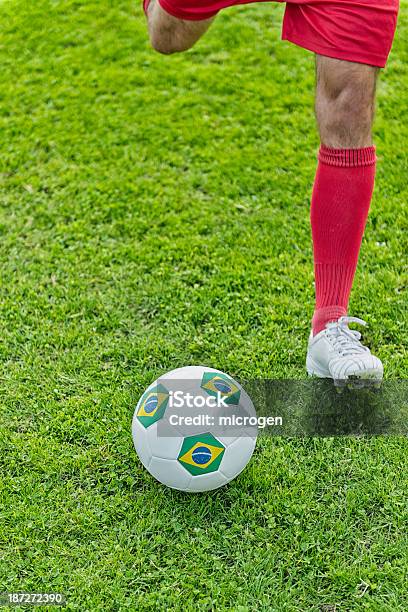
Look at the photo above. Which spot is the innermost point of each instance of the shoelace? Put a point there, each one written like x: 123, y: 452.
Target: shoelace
x: 345, y: 340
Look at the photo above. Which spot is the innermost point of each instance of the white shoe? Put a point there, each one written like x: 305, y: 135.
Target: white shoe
x: 337, y: 353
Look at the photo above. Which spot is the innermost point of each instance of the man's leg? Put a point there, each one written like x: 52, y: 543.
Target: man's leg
x: 344, y: 182
x: 341, y: 200
x: 169, y: 34
x: 345, y: 101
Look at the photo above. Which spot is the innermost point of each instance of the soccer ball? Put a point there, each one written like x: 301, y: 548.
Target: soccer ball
x: 193, y: 429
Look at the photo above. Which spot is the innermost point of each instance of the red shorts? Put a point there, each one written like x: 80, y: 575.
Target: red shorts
x: 353, y: 30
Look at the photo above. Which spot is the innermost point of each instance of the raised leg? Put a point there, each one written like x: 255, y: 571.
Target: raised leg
x: 169, y: 34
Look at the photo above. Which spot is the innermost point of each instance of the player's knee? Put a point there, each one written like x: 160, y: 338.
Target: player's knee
x: 351, y: 114
x: 168, y: 37
x: 161, y: 47
x: 346, y: 115
x: 167, y: 45
x: 162, y: 44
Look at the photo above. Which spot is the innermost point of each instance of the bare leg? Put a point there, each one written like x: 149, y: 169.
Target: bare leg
x: 171, y: 35
x: 345, y: 99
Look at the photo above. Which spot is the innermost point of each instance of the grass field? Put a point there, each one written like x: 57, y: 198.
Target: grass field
x: 154, y: 213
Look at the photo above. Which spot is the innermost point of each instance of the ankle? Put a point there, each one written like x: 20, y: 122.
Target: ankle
x: 325, y: 315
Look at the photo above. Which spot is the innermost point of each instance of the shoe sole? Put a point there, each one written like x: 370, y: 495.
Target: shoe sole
x: 373, y: 376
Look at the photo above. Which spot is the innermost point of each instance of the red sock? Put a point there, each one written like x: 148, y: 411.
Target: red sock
x: 340, y: 203
x: 146, y: 5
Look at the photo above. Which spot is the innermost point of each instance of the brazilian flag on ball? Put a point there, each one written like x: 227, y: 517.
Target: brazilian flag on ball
x: 201, y: 454
x: 216, y: 384
x: 152, y: 405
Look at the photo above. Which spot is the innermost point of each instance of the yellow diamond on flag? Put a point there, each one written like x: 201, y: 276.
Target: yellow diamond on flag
x: 201, y: 455
x: 151, y: 404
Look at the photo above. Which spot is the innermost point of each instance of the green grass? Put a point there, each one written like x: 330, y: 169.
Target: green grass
x: 154, y: 213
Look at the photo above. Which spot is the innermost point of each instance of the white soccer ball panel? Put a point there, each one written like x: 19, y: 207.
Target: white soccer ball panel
x: 237, y: 456
x: 169, y: 472
x: 246, y: 402
x: 187, y: 373
x: 207, y: 482
x: 163, y: 446
x: 226, y: 440
x: 140, y: 442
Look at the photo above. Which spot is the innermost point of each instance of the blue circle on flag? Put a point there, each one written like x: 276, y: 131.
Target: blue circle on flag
x: 201, y: 455
x: 222, y: 386
x: 151, y: 404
